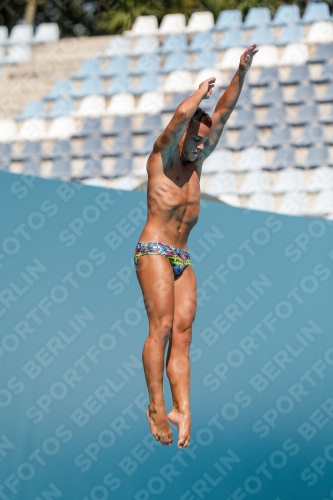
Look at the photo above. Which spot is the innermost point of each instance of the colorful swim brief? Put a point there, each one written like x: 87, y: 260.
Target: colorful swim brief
x: 178, y: 258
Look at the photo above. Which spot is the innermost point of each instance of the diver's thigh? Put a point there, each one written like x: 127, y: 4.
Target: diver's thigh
x: 185, y: 300
x: 156, y: 279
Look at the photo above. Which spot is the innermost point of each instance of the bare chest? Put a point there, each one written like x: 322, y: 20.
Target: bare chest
x: 184, y: 182
x: 175, y: 188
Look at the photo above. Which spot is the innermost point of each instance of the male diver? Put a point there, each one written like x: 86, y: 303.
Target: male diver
x: 168, y: 283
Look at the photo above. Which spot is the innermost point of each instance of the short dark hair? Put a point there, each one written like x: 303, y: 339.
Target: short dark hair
x: 201, y: 116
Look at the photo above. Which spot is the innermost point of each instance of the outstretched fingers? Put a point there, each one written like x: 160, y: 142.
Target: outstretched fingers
x: 212, y: 79
x: 208, y: 86
x: 252, y: 48
x: 247, y: 57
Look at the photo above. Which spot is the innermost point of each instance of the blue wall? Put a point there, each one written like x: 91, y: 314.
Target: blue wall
x: 72, y: 391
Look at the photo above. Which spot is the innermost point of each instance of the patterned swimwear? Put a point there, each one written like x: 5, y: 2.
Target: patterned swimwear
x: 178, y: 258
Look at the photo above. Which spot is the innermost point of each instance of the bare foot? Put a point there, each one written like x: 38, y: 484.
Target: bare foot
x: 182, y: 420
x: 159, y: 425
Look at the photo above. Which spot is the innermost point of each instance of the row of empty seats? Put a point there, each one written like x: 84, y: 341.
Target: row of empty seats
x: 240, y: 157
x: 307, y: 114
x: 73, y: 169
x: 268, y: 56
x: 182, y: 78
x: 280, y: 139
x: 23, y: 34
x: 320, y: 32
x: 95, y: 105
x: 139, y: 83
x: 92, y: 146
x: 294, y: 203
x: 287, y: 180
x: 254, y: 180
x: 294, y: 93
x: 262, y: 192
x: 16, y: 48
x: 206, y: 42
x: 278, y: 118
x: 256, y: 158
x: 277, y: 95
x: 278, y: 136
x: 204, y: 21
x: 68, y: 127
x: 155, y: 102
x: 150, y: 64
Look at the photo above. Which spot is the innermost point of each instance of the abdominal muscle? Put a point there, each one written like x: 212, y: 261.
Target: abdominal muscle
x: 168, y: 232
x: 173, y: 210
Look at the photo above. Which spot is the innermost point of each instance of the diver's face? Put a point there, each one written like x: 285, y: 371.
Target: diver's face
x: 195, y: 139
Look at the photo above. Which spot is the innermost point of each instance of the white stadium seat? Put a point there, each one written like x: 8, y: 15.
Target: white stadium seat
x: 222, y: 183
x: 21, y: 34
x: 3, y: 35
x: 146, y: 44
x: 118, y: 46
x: 323, y: 204
x: 200, y: 21
x: 254, y: 182
x: 121, y: 104
x: 143, y: 25
x: 96, y: 182
x: 172, y: 23
x: 295, y: 54
x: 219, y: 161
x: 7, y: 130
x: 33, y: 129
x: 289, y: 179
x: 230, y: 199
x: 322, y: 178
x: 206, y: 73
x: 250, y: 159
x: 139, y: 166
x: 320, y: 32
x: 127, y: 183
x: 231, y: 58
x: 178, y: 81
x: 61, y: 128
x: 267, y: 56
x: 294, y: 203
x: 18, y: 54
x: 46, y: 32
x: 261, y: 201
x: 93, y: 105
x: 150, y: 103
